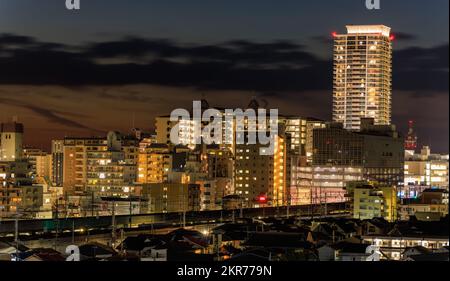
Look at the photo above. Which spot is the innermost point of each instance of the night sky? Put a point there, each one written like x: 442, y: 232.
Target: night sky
x: 118, y: 64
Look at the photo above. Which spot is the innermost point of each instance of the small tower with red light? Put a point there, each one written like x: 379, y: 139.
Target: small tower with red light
x: 411, y: 139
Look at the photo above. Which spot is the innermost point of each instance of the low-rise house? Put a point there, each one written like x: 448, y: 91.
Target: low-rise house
x: 139, y: 245
x: 352, y: 252
x: 96, y: 251
x: 9, y: 250
x: 319, y: 239
x: 45, y: 254
x: 436, y: 257
x: 375, y: 226
x: 412, y: 251
x: 444, y: 249
x: 394, y: 246
x: 346, y: 228
x: 234, y: 234
x: 253, y: 255
x: 179, y: 251
x: 326, y: 253
x: 283, y: 246
x: 158, y: 253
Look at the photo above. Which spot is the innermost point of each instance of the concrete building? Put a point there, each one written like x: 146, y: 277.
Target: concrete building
x: 362, y: 75
x: 164, y: 127
x: 263, y: 175
x: 18, y: 195
x: 220, y: 174
x: 373, y: 202
x: 11, y: 141
x: 378, y: 150
x: 171, y: 197
x: 44, y: 167
x: 155, y: 163
x: 322, y: 184
x: 394, y: 246
x: 187, y: 128
x: 100, y: 164
x: 428, y: 212
x: 432, y: 204
x: 296, y: 128
x: 427, y: 169
x: 311, y: 125
x: 57, y: 170
x: 300, y: 130
x: 31, y: 154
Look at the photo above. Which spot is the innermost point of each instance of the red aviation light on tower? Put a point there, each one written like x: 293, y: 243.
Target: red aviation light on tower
x: 334, y: 34
x: 411, y: 138
x: 392, y: 37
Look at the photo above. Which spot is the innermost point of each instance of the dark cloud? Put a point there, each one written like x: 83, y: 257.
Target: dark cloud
x: 236, y: 65
x: 422, y: 69
x: 323, y: 39
x: 53, y: 116
x: 403, y: 36
x: 8, y: 39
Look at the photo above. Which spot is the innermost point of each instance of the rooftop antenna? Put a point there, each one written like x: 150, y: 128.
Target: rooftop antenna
x: 253, y: 103
x: 411, y: 139
x: 204, y: 102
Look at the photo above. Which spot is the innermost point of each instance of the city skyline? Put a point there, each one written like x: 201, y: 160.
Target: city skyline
x: 193, y: 131
x: 150, y: 67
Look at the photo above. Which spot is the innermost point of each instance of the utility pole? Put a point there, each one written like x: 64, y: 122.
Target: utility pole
x: 121, y: 239
x: 16, y: 235
x: 57, y: 223
x: 113, y: 234
x: 311, y: 206
x: 241, y: 211
x: 264, y: 210
x: 73, y: 231
x: 131, y: 212
x: 288, y: 203
x: 92, y: 203
x: 66, y: 205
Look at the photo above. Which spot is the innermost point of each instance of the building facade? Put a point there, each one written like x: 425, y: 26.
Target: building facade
x: 11, y: 141
x: 57, y: 168
x: 171, y: 197
x: 107, y: 165
x: 377, y: 149
x: 263, y: 175
x: 374, y: 202
x: 362, y: 75
x: 426, y: 169
x: 317, y: 185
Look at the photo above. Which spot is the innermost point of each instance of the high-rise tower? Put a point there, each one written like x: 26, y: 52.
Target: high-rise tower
x: 362, y: 75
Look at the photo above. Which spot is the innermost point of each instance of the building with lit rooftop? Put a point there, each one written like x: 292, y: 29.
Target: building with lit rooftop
x: 362, y: 75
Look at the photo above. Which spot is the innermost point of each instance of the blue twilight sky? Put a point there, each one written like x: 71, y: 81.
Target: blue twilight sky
x: 206, y: 21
